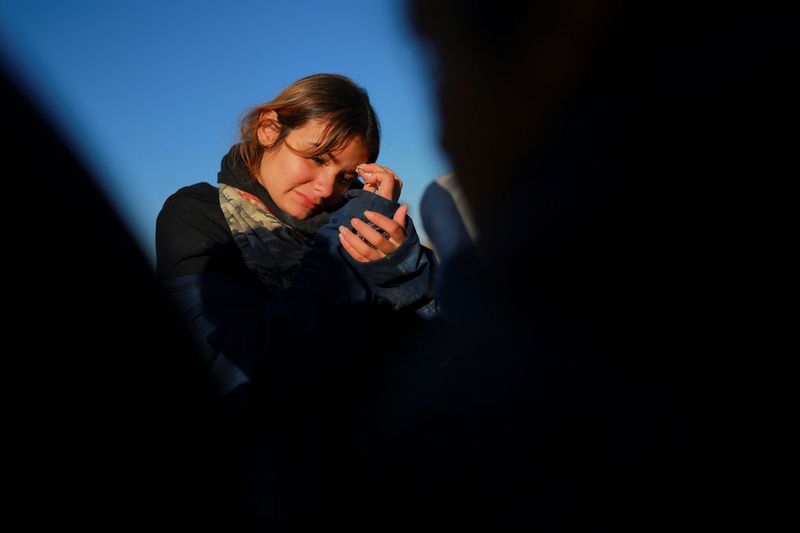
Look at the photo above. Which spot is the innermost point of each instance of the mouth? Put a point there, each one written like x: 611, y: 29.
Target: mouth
x: 306, y: 202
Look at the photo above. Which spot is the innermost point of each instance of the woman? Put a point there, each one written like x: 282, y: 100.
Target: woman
x: 291, y: 248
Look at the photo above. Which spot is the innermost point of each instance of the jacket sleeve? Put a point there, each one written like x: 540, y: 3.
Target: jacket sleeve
x: 403, y: 279
x: 243, y: 333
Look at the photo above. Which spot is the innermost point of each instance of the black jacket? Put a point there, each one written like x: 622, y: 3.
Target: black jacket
x: 237, y: 322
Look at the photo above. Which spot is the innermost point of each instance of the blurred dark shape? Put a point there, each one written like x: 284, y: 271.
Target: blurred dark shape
x: 112, y: 427
x: 622, y: 345
x: 448, y: 217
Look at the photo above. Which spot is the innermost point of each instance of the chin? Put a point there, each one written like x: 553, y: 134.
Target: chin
x: 302, y: 214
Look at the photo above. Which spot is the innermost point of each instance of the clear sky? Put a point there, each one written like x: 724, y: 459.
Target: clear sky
x: 150, y: 92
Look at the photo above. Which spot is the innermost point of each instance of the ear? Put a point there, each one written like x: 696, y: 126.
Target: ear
x: 269, y: 127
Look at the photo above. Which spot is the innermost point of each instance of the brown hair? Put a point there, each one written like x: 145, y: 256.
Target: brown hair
x: 330, y: 97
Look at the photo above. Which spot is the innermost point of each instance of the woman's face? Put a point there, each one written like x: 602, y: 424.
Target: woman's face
x: 304, y: 186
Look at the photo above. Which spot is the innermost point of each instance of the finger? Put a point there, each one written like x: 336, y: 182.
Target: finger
x: 370, y: 183
x: 395, y: 229
x: 350, y: 250
x: 365, y: 171
x: 400, y: 216
x: 360, y: 248
x: 398, y: 186
x: 357, y: 248
x: 388, y: 184
x: 374, y: 237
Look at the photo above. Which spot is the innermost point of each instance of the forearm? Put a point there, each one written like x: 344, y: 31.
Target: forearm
x: 403, y: 279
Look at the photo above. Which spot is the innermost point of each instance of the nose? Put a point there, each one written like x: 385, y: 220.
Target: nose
x: 324, y: 182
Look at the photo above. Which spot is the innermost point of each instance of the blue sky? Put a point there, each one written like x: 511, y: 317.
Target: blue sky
x: 150, y: 93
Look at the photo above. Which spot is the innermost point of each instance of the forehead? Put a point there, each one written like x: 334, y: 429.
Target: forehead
x: 312, y: 134
x: 312, y: 131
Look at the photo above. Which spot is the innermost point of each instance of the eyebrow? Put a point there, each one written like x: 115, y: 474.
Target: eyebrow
x: 329, y: 154
x: 315, y: 144
x: 333, y: 158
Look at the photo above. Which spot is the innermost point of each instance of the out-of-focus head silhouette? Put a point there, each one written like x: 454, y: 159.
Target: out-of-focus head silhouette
x: 650, y: 88
x: 630, y: 167
x: 502, y: 70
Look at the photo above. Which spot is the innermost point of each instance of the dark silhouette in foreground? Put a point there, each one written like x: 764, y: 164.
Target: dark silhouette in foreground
x: 112, y: 426
x: 620, y: 330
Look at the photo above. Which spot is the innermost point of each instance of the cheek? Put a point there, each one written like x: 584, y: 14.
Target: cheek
x: 296, y: 172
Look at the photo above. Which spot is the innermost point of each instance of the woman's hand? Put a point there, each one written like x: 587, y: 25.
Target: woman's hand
x: 380, y: 180
x: 380, y: 245
x: 370, y: 244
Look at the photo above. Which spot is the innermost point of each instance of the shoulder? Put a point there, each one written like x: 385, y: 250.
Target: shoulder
x: 192, y: 235
x: 193, y: 209
x: 186, y: 199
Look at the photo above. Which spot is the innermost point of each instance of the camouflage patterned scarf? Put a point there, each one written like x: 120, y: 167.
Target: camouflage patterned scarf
x: 269, y: 247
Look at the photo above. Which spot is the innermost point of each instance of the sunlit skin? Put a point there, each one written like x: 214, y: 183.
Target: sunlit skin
x: 305, y: 186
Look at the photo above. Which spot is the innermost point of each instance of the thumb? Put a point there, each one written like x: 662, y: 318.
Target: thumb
x: 400, y: 215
